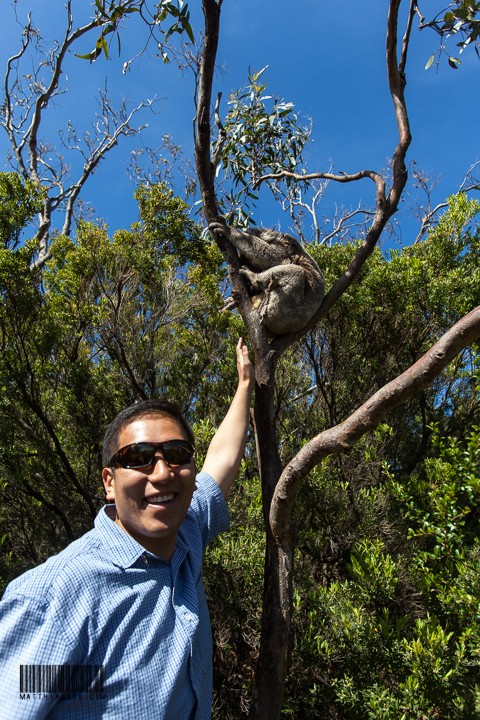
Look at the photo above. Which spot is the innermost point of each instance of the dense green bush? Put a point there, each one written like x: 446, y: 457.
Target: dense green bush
x: 387, y: 611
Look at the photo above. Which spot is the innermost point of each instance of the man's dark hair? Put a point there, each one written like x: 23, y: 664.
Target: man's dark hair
x: 145, y: 408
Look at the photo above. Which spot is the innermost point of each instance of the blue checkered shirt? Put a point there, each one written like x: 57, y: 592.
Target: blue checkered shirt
x: 106, y: 629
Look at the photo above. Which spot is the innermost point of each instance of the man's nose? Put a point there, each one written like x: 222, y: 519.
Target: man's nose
x: 159, y: 467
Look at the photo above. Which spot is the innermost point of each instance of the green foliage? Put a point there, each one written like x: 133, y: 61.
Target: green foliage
x: 164, y: 217
x: 18, y: 204
x: 449, y: 486
x: 111, y: 14
x: 395, y: 633
x: 234, y: 579
x: 458, y: 20
x: 262, y: 134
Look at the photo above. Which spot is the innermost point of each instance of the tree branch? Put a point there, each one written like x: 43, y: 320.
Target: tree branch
x: 205, y: 168
x: 206, y: 177
x: 222, y: 135
x: 8, y: 122
x: 386, y: 206
x: 336, y: 177
x: 406, y: 39
x: 397, y: 82
x: 29, y: 105
x: 44, y: 98
x: 343, y: 437
x: 341, y: 222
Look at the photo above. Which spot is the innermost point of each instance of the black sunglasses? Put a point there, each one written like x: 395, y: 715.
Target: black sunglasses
x: 142, y: 454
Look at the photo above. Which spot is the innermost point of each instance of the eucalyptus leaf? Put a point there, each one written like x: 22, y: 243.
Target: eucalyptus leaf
x: 430, y: 62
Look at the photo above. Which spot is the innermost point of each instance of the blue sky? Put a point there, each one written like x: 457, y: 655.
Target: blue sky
x: 331, y: 67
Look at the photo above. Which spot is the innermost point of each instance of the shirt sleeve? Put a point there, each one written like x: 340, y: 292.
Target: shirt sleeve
x: 209, y: 507
x: 31, y: 651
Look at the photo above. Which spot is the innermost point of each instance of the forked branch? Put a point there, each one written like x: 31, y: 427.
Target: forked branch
x: 25, y: 100
x: 386, y: 205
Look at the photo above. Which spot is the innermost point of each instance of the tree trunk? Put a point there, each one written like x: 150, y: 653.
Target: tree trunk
x: 276, y: 635
x: 275, y: 638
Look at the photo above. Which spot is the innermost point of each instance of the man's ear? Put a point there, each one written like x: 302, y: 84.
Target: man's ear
x: 109, y: 483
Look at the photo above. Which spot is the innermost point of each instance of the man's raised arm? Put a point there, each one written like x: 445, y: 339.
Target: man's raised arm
x: 228, y: 444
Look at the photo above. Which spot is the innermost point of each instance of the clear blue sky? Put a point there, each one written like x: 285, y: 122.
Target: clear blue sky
x: 328, y: 62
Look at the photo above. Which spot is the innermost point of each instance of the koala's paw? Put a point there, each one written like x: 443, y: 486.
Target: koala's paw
x: 229, y: 304
x: 248, y: 274
x: 219, y: 228
x: 252, y: 278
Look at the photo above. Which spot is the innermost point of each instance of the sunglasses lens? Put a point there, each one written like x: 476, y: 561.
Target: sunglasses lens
x: 139, y: 455
x: 177, y: 452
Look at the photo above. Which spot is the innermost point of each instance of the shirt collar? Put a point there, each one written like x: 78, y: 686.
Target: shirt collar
x: 122, y: 549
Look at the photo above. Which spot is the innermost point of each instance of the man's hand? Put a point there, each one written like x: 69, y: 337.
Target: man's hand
x: 246, y: 373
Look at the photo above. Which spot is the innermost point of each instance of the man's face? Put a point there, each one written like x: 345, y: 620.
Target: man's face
x: 151, y: 502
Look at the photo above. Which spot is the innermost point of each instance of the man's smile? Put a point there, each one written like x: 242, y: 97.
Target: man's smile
x: 160, y: 499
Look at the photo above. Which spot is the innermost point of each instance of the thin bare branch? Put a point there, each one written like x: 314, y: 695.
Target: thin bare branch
x: 335, y: 177
x: 341, y: 222
x: 406, y: 38
x: 8, y: 121
x: 44, y: 97
x: 108, y: 140
x: 222, y: 135
x: 474, y: 182
x: 292, y: 198
x: 469, y: 184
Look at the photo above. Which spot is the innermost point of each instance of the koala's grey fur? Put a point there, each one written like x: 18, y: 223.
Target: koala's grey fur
x: 286, y: 283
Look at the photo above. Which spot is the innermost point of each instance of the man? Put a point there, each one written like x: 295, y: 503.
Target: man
x: 116, y: 625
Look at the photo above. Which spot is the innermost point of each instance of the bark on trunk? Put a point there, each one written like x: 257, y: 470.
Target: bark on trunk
x: 275, y: 638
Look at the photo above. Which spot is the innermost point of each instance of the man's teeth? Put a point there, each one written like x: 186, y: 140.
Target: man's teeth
x: 160, y: 499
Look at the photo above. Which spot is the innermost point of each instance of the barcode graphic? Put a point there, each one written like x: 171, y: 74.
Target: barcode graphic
x: 61, y: 678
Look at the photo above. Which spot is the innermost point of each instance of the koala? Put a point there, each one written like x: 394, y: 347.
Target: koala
x: 286, y: 283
